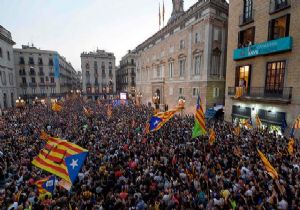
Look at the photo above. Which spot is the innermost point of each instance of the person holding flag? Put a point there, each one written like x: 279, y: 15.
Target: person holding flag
x: 199, y: 128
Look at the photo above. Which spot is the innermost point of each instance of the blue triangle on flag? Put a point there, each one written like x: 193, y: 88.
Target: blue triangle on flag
x: 74, y: 164
x: 49, y: 185
x: 154, y: 122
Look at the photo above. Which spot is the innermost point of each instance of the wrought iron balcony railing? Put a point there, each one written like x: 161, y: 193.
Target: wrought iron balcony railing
x: 264, y: 93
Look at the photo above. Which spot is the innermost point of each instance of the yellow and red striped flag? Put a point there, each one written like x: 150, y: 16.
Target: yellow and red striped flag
x: 269, y: 168
x: 109, y: 111
x: 238, y: 92
x: 237, y: 131
x: 212, y: 137
x: 297, y: 123
x: 291, y: 145
x: 61, y: 158
x: 56, y: 107
x: 258, y: 121
x: 199, y: 128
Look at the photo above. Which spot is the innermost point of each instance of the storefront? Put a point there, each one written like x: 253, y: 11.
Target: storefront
x: 275, y: 121
x: 240, y: 114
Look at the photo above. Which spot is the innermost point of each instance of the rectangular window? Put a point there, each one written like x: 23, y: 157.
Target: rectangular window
x: 42, y: 80
x: 180, y: 91
x: 279, y: 27
x: 31, y: 61
x: 40, y: 61
x: 32, y: 79
x: 8, y: 55
x: 181, y: 68
x: 243, y: 76
x: 197, y: 63
x: 246, y: 37
x: 275, y: 77
x: 50, y: 62
x: 22, y: 61
x: 1, y: 55
x: 52, y: 90
x: 216, y: 92
x: 196, y: 37
x: 181, y: 44
x: 42, y: 90
x: 52, y: 79
x: 195, y: 91
x: 11, y: 79
x: 171, y: 69
x: 23, y: 80
x: 216, y: 34
x: 33, y: 90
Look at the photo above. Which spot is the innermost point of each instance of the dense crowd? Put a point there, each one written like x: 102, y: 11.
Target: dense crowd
x: 127, y: 169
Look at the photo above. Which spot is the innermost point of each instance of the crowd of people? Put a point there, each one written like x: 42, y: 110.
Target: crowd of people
x: 128, y: 169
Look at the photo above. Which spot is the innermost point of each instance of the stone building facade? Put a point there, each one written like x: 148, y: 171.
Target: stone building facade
x: 126, y: 75
x: 8, y: 91
x: 186, y: 58
x: 98, y: 73
x: 42, y: 73
x: 263, y: 60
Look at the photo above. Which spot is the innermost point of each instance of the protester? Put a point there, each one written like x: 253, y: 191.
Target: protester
x: 128, y: 169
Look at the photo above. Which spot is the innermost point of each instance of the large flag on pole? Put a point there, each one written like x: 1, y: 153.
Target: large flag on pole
x: 61, y: 158
x: 258, y: 121
x: 161, y: 118
x: 269, y: 168
x: 199, y: 127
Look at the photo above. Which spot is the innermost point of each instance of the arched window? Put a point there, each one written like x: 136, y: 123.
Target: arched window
x: 248, y: 5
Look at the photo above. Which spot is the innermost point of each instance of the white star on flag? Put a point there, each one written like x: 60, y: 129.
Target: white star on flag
x: 74, y: 163
x: 156, y: 122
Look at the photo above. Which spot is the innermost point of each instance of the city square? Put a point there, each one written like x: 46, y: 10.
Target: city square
x: 200, y: 111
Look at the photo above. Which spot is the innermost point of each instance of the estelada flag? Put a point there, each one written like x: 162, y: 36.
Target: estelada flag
x: 46, y: 184
x: 237, y: 130
x: 61, y: 158
x: 258, y: 121
x: 269, y: 168
x: 297, y: 123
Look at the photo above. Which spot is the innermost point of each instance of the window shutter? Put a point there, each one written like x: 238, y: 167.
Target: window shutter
x: 237, y: 76
x: 270, y: 30
x: 287, y: 29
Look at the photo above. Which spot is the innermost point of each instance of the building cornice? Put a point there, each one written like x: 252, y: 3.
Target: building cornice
x: 181, y: 20
x: 9, y: 41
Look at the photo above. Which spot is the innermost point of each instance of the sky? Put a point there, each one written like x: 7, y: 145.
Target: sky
x: 75, y: 26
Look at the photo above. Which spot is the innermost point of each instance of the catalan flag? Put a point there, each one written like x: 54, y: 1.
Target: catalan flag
x: 247, y: 124
x: 61, y: 158
x: 159, y: 119
x: 109, y: 111
x: 291, y: 145
x: 269, y: 168
x: 87, y: 112
x: 46, y: 184
x: 56, y: 107
x: 44, y: 136
x: 297, y: 123
x: 258, y: 121
x: 237, y: 130
x: 199, y: 127
x: 238, y: 92
x: 212, y: 137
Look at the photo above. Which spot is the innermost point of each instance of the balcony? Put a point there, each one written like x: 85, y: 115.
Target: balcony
x: 277, y: 7
x: 262, y: 94
x: 274, y: 46
x: 32, y: 84
x: 158, y: 80
x: 23, y: 85
x: 52, y: 84
x: 42, y: 84
x: 243, y: 20
x: 22, y: 73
